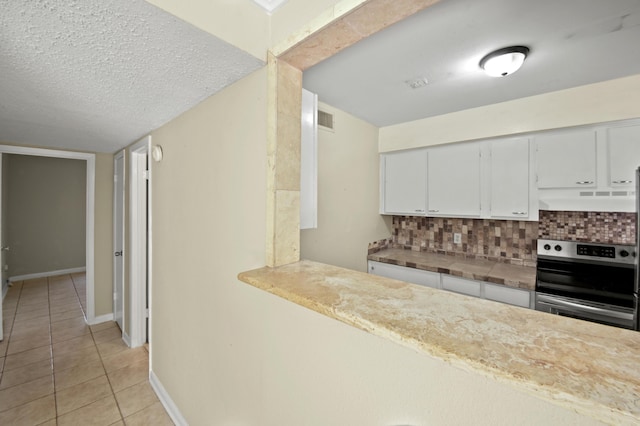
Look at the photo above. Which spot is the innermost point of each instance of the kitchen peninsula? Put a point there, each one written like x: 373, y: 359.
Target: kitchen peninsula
x: 587, y: 368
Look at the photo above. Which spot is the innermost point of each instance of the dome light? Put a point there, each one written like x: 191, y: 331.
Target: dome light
x: 504, y: 61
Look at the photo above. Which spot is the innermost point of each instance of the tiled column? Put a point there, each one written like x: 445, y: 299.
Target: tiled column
x: 342, y: 25
x: 283, y: 162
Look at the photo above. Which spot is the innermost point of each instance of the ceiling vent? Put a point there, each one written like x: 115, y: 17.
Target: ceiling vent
x: 325, y: 120
x: 417, y: 83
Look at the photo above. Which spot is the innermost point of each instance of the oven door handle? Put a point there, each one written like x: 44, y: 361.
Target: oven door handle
x: 583, y: 308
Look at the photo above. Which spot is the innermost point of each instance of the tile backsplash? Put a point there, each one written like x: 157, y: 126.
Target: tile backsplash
x: 510, y: 241
x: 596, y: 227
x: 500, y: 240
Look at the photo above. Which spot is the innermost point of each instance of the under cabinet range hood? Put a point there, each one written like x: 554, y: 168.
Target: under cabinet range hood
x: 602, y: 200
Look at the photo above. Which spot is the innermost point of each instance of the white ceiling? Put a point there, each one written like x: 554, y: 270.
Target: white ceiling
x: 572, y: 42
x: 96, y: 75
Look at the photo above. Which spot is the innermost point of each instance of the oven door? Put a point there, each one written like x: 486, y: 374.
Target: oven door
x: 589, y: 281
x: 602, y: 313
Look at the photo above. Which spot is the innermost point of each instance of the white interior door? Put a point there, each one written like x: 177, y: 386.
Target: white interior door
x: 2, y: 260
x: 139, y: 177
x: 118, y: 239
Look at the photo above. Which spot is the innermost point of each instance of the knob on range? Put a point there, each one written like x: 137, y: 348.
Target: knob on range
x: 557, y: 247
x: 624, y: 253
x: 547, y: 247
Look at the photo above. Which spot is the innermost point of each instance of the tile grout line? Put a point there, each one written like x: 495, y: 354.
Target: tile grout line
x: 53, y: 366
x: 6, y: 349
x: 98, y: 351
x: 51, y: 353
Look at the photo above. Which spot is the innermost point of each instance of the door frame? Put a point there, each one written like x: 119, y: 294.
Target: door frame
x: 139, y: 240
x: 2, y: 277
x: 116, y: 157
x: 90, y: 214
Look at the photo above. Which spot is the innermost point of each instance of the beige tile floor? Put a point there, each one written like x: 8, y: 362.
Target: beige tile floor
x: 56, y: 370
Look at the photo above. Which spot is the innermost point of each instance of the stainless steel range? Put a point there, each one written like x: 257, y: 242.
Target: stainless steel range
x: 594, y: 282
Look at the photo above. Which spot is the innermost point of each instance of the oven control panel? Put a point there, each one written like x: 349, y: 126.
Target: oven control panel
x: 596, y: 251
x: 614, y: 253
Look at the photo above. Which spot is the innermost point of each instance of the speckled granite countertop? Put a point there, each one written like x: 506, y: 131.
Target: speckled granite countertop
x: 475, y: 269
x: 587, y: 367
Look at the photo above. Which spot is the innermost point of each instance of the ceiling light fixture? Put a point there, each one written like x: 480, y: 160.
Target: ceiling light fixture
x: 504, y: 61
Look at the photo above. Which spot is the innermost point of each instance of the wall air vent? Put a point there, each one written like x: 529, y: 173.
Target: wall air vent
x: 602, y: 193
x: 325, y: 120
x: 586, y: 193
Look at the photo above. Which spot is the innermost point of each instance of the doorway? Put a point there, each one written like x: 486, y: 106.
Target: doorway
x: 90, y: 216
x: 139, y: 243
x: 118, y: 239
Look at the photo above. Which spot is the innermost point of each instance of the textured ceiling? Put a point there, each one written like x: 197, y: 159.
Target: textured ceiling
x: 572, y: 42
x: 96, y: 75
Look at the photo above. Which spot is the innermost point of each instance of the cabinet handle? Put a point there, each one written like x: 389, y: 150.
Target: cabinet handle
x: 419, y: 211
x: 622, y: 181
x: 519, y: 213
x: 433, y: 210
x: 584, y: 182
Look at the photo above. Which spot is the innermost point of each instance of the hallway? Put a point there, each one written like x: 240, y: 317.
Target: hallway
x: 56, y: 370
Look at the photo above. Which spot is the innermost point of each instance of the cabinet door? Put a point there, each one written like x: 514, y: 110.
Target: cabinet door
x: 453, y: 179
x: 509, y: 169
x: 623, y: 145
x: 461, y: 285
x: 512, y: 296
x: 404, y: 182
x: 567, y: 159
x: 403, y: 273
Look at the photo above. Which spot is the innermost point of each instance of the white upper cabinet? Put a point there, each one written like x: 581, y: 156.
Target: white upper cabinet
x: 623, y: 151
x: 454, y: 181
x: 567, y: 159
x: 404, y: 182
x: 309, y: 161
x: 509, y: 176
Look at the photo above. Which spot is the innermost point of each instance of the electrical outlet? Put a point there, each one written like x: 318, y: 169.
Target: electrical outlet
x: 457, y: 238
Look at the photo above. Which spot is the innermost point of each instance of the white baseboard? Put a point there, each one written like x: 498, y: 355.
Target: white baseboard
x: 47, y: 274
x: 126, y: 339
x: 167, y: 402
x: 100, y: 319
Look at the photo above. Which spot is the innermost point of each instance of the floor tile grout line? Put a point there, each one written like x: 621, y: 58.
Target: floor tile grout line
x: 13, y: 320
x: 75, y: 288
x: 113, y: 394
x: 53, y: 366
x: 6, y: 349
x: 108, y: 378
x: 50, y: 360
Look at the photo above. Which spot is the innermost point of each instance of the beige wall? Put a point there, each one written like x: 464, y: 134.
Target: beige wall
x: 312, y: 370
x: 46, y: 211
x: 241, y: 23
x: 209, y: 198
x: 348, y: 195
x: 230, y: 20
x: 294, y: 15
x: 595, y: 103
x: 103, y: 281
